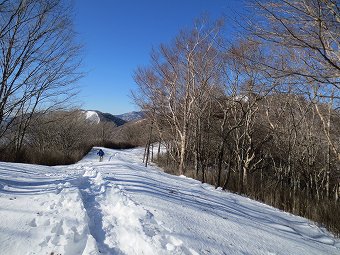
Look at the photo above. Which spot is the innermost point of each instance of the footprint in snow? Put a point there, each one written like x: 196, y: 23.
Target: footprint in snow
x: 150, y: 226
x: 154, y: 229
x: 58, y: 228
x: 173, y: 243
x: 33, y: 223
x: 45, y: 242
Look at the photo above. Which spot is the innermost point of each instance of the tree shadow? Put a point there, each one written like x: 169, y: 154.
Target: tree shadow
x: 228, y: 206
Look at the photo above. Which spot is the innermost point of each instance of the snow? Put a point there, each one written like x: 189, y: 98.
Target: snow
x: 120, y: 207
x: 92, y: 116
x: 242, y: 98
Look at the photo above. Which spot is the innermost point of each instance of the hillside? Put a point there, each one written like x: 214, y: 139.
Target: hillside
x: 95, y: 116
x: 131, y: 116
x: 120, y: 207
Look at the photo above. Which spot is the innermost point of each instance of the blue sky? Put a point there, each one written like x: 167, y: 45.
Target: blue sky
x: 118, y: 36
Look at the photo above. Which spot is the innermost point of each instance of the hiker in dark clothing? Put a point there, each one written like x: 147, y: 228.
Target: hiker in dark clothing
x: 100, y: 153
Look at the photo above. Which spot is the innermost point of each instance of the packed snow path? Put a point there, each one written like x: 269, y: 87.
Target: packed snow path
x: 120, y: 207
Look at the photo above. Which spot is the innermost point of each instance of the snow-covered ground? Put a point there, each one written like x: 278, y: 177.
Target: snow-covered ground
x: 120, y: 207
x: 92, y: 116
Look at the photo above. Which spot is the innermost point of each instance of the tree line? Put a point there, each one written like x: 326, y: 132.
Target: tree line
x: 40, y: 63
x: 258, y: 114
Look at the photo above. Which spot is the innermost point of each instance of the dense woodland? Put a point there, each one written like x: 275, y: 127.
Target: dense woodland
x: 259, y: 114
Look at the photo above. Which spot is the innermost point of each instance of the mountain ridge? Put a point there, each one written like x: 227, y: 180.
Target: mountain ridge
x: 96, y: 116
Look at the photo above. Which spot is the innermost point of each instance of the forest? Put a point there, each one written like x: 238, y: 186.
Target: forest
x: 258, y: 114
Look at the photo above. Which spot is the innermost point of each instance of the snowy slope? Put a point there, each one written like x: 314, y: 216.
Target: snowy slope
x: 119, y: 207
x: 92, y: 116
x: 96, y: 117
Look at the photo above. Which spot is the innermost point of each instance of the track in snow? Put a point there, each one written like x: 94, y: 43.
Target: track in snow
x: 119, y: 207
x: 91, y: 187
x: 117, y: 223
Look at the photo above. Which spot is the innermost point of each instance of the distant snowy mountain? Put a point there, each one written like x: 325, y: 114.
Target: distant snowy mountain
x: 96, y: 117
x: 131, y: 116
x: 92, y: 116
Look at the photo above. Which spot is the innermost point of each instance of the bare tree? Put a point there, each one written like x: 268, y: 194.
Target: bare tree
x: 179, y: 77
x: 59, y: 136
x: 302, y: 39
x: 308, y: 29
x: 38, y: 60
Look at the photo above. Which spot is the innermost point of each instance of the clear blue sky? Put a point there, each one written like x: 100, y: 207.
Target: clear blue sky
x: 118, y: 36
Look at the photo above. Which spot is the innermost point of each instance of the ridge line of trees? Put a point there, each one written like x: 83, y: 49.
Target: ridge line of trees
x: 259, y: 116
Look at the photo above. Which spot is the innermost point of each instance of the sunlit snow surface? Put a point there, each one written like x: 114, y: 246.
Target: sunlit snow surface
x: 120, y: 207
x: 92, y: 116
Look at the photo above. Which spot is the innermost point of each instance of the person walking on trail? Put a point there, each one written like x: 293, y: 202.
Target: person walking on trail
x: 100, y: 153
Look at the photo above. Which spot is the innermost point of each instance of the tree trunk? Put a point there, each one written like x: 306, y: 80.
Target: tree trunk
x: 219, y: 164
x: 147, y: 149
x: 225, y: 185
x: 147, y: 154
x: 159, y: 150
x: 182, y: 155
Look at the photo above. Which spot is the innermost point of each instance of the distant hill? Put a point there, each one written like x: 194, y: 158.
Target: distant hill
x: 96, y: 117
x: 92, y: 116
x: 113, y: 118
x: 131, y: 116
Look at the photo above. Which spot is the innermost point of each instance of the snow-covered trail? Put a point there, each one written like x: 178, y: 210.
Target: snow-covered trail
x: 120, y: 207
